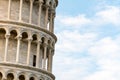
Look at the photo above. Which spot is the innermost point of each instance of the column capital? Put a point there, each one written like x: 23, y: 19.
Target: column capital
x: 39, y: 41
x: 31, y: 0
x: 45, y: 44
x: 19, y: 37
x: 52, y: 51
x: 7, y: 35
x: 47, y: 6
x: 4, y: 78
x: 50, y: 47
x: 29, y: 39
x: 52, y: 10
x: 40, y: 1
x: 54, y: 15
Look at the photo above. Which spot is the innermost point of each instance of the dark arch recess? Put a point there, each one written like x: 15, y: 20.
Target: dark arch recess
x: 21, y: 77
x: 13, y: 34
x: 34, y: 37
x: 1, y: 76
x: 10, y: 76
x: 2, y: 33
x: 32, y: 78
x: 24, y: 35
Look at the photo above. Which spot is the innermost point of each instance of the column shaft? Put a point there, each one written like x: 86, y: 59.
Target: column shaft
x: 20, y: 12
x: 49, y: 63
x: 9, y: 9
x: 31, y: 10
x: 46, y: 17
x: 51, y: 21
x: 51, y: 60
x: 6, y: 47
x: 38, y: 55
x: 41, y: 60
x: 18, y: 49
x: 44, y: 59
x: 28, y: 52
x: 39, y: 14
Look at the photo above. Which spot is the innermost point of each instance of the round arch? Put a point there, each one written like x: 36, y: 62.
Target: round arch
x: 2, y: 33
x: 24, y: 35
x: 10, y: 71
x: 34, y: 36
x: 1, y: 75
x: 13, y: 34
x: 21, y: 73
x: 33, y: 77
x: 21, y: 77
x: 10, y: 76
x: 15, y: 29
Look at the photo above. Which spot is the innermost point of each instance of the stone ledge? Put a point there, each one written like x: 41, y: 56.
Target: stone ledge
x: 28, y: 25
x: 28, y: 68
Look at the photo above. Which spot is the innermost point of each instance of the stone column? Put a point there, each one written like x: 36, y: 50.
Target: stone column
x: 4, y: 78
x: 51, y: 21
x: 49, y: 63
x: 53, y: 17
x: 20, y: 12
x: 9, y: 9
x: 38, y: 54
x: 16, y: 77
x: 18, y: 48
x: 44, y: 56
x: 27, y: 77
x: 46, y: 16
x: 6, y: 46
x: 41, y: 57
x: 39, y: 14
x: 29, y: 50
x: 31, y: 10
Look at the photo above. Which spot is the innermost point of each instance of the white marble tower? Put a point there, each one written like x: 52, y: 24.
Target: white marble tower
x: 27, y: 39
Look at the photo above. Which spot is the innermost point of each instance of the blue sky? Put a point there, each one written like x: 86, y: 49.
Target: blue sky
x: 88, y: 46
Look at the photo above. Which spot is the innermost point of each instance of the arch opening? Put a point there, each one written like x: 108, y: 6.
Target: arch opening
x: 21, y: 77
x: 13, y: 34
x: 43, y: 40
x: 2, y: 33
x: 24, y: 35
x: 34, y: 37
x: 10, y: 76
x: 32, y: 78
x: 1, y: 76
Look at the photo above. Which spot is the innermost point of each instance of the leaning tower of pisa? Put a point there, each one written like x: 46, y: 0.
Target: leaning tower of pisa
x: 27, y: 39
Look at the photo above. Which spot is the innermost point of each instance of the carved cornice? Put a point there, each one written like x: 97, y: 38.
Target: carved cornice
x: 28, y: 68
x: 27, y: 25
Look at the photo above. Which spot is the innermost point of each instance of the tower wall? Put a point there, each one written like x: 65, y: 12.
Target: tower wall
x: 15, y: 10
x: 27, y: 39
x: 3, y: 10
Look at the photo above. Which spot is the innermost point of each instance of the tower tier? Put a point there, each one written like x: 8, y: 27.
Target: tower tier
x: 27, y: 39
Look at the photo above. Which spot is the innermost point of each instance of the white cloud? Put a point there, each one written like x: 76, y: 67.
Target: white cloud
x: 106, y: 54
x: 102, y: 52
x: 105, y: 47
x: 74, y: 41
x: 73, y: 21
x: 70, y: 68
x: 110, y: 14
x: 104, y: 75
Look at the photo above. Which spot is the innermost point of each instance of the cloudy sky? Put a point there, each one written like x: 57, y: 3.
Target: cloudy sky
x: 88, y: 46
